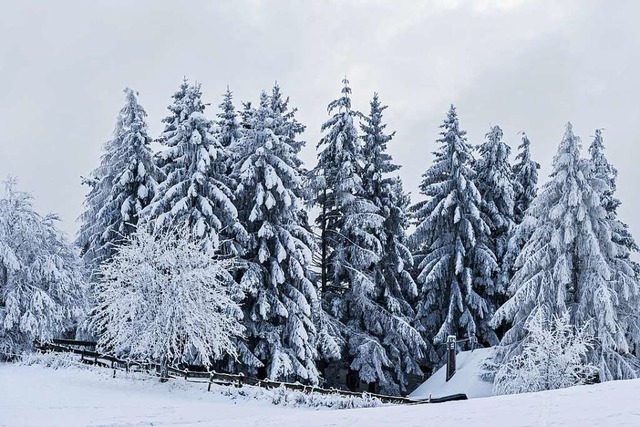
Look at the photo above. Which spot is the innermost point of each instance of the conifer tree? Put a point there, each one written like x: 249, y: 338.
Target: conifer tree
x: 568, y: 266
x: 454, y: 263
x: 494, y: 179
x: 626, y: 272
x: 395, y: 291
x: 245, y: 115
x: 338, y: 183
x: 280, y: 293
x: 606, y: 172
x: 121, y: 187
x: 350, y: 249
x: 228, y: 128
x: 195, y: 193
x: 525, y: 173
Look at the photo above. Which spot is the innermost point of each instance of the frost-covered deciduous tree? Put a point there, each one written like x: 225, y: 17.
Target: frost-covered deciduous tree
x: 42, y: 292
x: 280, y: 295
x: 390, y: 323
x: 495, y: 182
x: 163, y: 299
x: 454, y: 263
x: 194, y: 193
x: 554, y: 356
x: 121, y: 187
x: 568, y: 265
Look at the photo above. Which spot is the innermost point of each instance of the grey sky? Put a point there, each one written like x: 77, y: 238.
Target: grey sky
x: 525, y: 65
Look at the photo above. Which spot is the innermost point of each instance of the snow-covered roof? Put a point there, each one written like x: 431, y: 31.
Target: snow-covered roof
x: 466, y: 379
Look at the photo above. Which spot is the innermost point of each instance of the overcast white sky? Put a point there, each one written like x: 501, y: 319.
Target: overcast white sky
x: 525, y: 65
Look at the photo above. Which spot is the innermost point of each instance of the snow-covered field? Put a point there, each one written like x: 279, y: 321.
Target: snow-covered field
x: 41, y: 396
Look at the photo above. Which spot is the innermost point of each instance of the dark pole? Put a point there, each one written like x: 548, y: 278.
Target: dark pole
x: 451, y: 356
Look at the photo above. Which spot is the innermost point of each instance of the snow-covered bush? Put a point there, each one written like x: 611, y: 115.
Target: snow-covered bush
x: 553, y: 356
x: 163, y: 299
x: 283, y: 396
x: 54, y: 360
x: 41, y: 280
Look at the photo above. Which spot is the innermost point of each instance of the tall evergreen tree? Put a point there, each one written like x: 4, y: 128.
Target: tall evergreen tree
x: 121, y: 187
x: 525, y: 173
x: 280, y: 294
x: 626, y: 272
x: 350, y: 247
x: 395, y: 291
x: 337, y: 182
x: 194, y: 193
x: 245, y: 115
x: 567, y: 267
x: 495, y: 183
x: 454, y: 263
x: 228, y: 128
x: 607, y: 173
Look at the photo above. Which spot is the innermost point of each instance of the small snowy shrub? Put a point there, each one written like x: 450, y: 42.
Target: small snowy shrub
x: 54, y: 360
x: 553, y: 356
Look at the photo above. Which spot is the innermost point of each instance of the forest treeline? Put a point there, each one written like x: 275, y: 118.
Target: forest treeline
x: 204, y: 252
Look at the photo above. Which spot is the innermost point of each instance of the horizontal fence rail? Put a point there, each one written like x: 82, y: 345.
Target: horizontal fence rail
x: 213, y: 377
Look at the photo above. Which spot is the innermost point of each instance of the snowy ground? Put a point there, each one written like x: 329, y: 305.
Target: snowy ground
x: 40, y: 396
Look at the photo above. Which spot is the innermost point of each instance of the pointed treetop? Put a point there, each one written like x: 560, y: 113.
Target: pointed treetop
x: 344, y: 101
x: 525, y: 148
x: 602, y: 166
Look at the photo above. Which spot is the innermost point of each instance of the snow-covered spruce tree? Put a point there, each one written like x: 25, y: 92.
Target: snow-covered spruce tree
x: 337, y: 184
x: 163, y: 299
x: 42, y: 292
x: 554, y: 356
x: 228, y: 133
x: 454, y: 264
x: 395, y: 291
x: 351, y: 228
x: 279, y: 293
x: 195, y: 192
x: 121, y: 187
x: 245, y: 115
x: 603, y: 170
x: 566, y: 267
x: 328, y: 340
x: 495, y: 182
x: 625, y: 272
x: 525, y: 173
x: 228, y: 128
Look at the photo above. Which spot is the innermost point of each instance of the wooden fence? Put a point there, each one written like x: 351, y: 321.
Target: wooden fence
x: 213, y: 377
